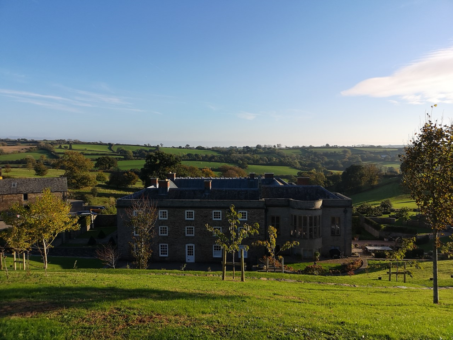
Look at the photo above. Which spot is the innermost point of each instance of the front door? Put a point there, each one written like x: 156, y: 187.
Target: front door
x: 190, y: 253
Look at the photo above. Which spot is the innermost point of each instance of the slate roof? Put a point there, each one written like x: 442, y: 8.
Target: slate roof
x: 10, y: 186
x: 301, y: 193
x: 197, y: 194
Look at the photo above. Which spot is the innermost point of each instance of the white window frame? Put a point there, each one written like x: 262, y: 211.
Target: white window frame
x: 163, y: 249
x: 187, y: 212
x: 163, y: 214
x: 245, y: 252
x: 216, y: 252
x: 244, y: 214
x: 217, y: 228
x: 193, y: 228
x: 161, y: 231
x: 217, y: 212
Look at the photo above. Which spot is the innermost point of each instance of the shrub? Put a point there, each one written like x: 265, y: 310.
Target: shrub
x: 101, y: 177
x: 350, y: 266
x: 314, y: 270
x: 92, y: 241
x: 415, y: 253
x: 101, y: 234
x: 94, y: 191
x: 41, y: 169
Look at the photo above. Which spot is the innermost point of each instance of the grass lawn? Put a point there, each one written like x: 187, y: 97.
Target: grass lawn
x: 133, y: 147
x: 25, y: 173
x: 119, y: 304
x: 391, y: 191
x: 275, y: 169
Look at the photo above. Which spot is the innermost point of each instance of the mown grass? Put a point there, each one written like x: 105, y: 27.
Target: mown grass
x: 391, y: 191
x: 179, y: 152
x: 118, y: 304
x: 133, y: 164
x: 84, y: 147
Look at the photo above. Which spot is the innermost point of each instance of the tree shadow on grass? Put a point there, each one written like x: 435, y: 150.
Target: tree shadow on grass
x: 30, y: 301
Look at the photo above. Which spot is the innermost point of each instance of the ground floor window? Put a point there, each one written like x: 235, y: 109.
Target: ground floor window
x: 163, y: 249
x: 216, y: 250
x: 245, y: 251
x: 335, y: 226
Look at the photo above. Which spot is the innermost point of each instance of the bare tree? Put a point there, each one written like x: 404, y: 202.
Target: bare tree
x: 108, y: 254
x: 142, y: 218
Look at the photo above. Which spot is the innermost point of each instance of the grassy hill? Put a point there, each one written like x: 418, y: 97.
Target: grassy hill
x: 160, y: 304
x: 391, y: 191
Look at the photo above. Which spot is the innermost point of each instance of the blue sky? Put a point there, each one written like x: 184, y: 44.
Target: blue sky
x: 224, y: 72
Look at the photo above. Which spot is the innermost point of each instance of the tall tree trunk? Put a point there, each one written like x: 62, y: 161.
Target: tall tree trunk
x: 435, y: 285
x: 234, y: 267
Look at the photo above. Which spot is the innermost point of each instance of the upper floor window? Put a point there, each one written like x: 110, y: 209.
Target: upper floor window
x: 217, y: 215
x: 217, y: 228
x: 163, y: 230
x: 190, y: 215
x: 335, y: 226
x: 163, y: 214
x: 243, y: 215
x: 190, y: 231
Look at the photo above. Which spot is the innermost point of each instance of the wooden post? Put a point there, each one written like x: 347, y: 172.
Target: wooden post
x: 283, y: 265
x: 404, y: 272
x: 390, y: 271
x: 242, y: 266
x: 14, y: 259
x: 23, y: 260
x: 1, y: 261
x: 397, y: 272
x: 224, y: 264
x: 267, y: 264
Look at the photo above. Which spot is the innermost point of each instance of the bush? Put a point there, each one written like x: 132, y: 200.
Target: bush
x: 350, y: 266
x: 92, y: 241
x: 41, y: 169
x: 399, y: 229
x: 314, y: 270
x: 101, y: 234
x: 415, y: 253
x: 94, y: 191
x: 101, y: 177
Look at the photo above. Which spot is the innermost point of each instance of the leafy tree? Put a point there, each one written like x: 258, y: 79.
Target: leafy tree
x: 77, y: 169
x: 7, y: 168
x: 237, y: 234
x: 30, y: 161
x: 353, y: 178
x: 232, y: 171
x: 427, y: 172
x: 158, y: 164
x: 40, y: 223
x: 142, y: 218
x: 398, y: 255
x: 122, y: 179
x: 208, y: 172
x: 372, y: 174
x: 271, y: 244
x: 101, y: 177
x: 108, y: 254
x: 41, y: 169
x: 106, y: 163
x: 404, y: 214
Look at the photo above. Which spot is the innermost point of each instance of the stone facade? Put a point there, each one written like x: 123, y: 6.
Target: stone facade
x: 26, y: 190
x: 317, y: 219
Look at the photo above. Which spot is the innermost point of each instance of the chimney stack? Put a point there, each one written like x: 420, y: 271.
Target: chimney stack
x: 164, y: 186
x: 154, y: 182
x: 208, y: 185
x: 171, y: 176
x: 303, y: 181
x: 270, y: 176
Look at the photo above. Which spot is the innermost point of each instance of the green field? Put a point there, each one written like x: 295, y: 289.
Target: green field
x: 391, y: 191
x: 179, y: 152
x: 275, y: 169
x: 25, y: 173
x: 133, y: 147
x: 17, y: 156
x: 134, y: 164
x: 99, y: 148
x: 159, y: 304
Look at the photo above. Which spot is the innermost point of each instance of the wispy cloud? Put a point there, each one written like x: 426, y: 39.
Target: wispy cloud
x: 248, y: 115
x: 72, y: 100
x: 429, y: 79
x: 17, y: 77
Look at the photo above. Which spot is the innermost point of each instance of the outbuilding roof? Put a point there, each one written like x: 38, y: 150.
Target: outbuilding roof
x: 10, y: 186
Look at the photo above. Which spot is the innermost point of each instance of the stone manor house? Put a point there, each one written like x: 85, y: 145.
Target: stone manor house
x: 318, y: 219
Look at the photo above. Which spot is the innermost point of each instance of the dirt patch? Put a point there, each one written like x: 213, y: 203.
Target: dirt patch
x: 26, y: 308
x: 15, y: 148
